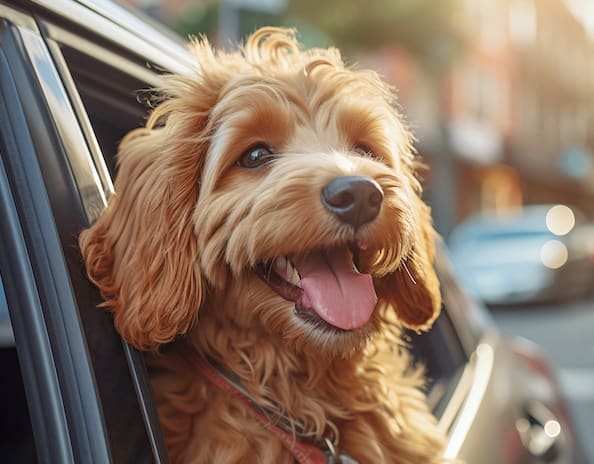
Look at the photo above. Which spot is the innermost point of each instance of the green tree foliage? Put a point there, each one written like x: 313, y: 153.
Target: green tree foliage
x: 425, y: 27
x: 197, y: 18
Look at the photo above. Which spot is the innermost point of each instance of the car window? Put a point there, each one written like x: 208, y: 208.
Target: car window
x: 118, y: 104
x: 114, y: 101
x: 109, y: 96
x: 444, y: 358
x: 446, y: 348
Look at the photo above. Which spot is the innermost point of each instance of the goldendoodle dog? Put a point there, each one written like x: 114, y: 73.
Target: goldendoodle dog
x: 266, y: 246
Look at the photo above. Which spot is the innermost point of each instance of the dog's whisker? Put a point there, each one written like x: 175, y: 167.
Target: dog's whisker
x: 409, y: 273
x: 356, y: 255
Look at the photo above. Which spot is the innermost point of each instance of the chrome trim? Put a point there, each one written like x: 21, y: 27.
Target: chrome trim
x: 466, y: 400
x: 90, y: 185
x: 16, y: 17
x: 84, y: 121
x: 124, y: 30
x: 455, y: 401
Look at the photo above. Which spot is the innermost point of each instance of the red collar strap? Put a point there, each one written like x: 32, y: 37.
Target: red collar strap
x: 305, y: 453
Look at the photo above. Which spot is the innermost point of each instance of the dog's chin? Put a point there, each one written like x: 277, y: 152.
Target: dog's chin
x: 320, y: 339
x: 332, y: 302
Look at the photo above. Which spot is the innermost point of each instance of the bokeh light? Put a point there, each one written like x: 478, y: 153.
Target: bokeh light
x: 552, y: 428
x: 554, y: 254
x: 560, y: 220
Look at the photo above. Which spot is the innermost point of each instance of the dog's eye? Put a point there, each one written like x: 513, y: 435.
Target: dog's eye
x: 256, y: 156
x: 364, y: 150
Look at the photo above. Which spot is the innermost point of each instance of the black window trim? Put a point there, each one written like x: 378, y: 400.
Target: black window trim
x: 458, y: 305
x: 38, y: 367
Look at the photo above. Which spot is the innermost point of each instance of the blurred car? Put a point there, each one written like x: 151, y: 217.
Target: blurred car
x: 534, y: 254
x: 71, y: 391
x: 583, y: 238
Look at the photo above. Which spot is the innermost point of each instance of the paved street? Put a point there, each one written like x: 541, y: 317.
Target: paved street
x: 566, y: 332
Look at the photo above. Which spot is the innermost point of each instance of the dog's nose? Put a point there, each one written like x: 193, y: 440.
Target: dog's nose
x: 355, y: 200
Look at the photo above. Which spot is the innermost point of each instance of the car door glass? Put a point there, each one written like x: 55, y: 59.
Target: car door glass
x: 445, y: 349
x: 443, y: 357
x: 114, y: 105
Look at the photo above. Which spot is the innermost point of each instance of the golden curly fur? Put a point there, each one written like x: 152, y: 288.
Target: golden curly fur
x: 174, y: 254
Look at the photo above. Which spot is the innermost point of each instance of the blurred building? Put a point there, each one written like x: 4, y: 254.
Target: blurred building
x: 480, y: 97
x: 554, y: 103
x: 511, y: 121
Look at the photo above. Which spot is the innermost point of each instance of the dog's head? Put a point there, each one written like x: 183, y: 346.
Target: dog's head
x: 276, y: 185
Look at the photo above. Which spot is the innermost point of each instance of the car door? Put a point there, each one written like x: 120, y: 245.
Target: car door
x: 87, y: 394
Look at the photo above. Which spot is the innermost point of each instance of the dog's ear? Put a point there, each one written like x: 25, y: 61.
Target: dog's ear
x: 141, y: 253
x: 413, y: 289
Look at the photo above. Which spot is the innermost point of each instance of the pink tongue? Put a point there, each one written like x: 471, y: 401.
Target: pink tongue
x: 334, y: 289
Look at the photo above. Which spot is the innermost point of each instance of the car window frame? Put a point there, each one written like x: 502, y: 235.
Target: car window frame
x: 66, y: 410
x: 49, y: 370
x: 56, y: 37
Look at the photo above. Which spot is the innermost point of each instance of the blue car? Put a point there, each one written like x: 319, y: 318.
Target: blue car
x: 537, y: 253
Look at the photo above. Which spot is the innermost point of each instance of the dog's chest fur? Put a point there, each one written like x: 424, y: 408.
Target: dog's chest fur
x: 378, y: 421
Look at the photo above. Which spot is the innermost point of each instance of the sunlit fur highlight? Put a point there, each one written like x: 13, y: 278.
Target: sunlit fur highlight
x: 173, y: 254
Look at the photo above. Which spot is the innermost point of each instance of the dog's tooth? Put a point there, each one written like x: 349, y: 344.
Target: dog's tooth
x: 280, y: 263
x: 292, y: 275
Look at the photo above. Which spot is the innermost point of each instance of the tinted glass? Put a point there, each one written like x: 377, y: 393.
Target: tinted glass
x: 114, y: 101
x: 441, y: 351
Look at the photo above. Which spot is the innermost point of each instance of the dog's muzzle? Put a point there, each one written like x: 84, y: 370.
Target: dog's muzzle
x: 325, y: 284
x: 354, y: 200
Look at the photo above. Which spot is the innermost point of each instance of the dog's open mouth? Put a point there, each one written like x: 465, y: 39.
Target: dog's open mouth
x: 325, y: 286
